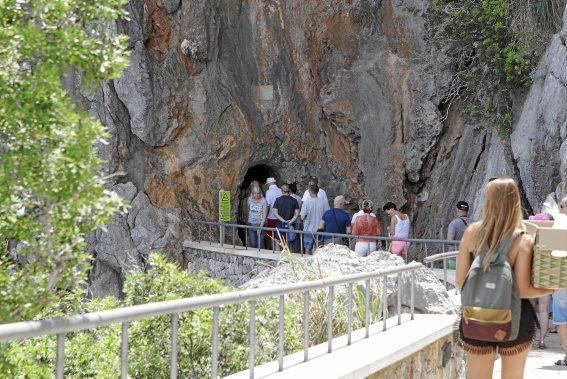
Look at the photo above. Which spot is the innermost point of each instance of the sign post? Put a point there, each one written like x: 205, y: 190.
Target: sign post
x: 224, y: 211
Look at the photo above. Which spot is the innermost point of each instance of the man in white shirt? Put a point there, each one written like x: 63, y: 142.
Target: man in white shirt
x: 272, y: 194
x: 312, y: 211
x: 313, y: 181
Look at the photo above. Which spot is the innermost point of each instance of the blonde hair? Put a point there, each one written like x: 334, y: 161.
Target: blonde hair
x: 502, y: 216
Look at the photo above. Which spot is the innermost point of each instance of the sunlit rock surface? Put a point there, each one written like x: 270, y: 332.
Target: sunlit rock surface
x: 350, y: 91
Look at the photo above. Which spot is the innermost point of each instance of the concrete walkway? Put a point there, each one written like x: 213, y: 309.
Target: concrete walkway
x: 540, y: 363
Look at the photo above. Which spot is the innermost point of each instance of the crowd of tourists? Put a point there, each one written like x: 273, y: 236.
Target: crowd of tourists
x: 282, y: 208
x: 498, y: 240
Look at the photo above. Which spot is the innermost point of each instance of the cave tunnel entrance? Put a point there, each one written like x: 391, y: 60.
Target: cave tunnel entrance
x: 260, y: 173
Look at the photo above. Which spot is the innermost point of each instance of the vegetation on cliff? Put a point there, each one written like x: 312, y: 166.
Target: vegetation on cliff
x: 496, y: 46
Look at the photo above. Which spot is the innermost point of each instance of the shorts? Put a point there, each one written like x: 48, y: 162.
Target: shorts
x: 285, y: 232
x: 523, y: 342
x: 308, y: 241
x: 364, y: 248
x: 400, y: 248
x: 560, y: 307
x: 271, y: 223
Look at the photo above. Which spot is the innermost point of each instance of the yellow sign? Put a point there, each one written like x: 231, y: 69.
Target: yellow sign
x: 224, y: 206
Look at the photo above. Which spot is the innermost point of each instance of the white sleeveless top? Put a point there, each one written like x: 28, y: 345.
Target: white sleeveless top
x: 402, y: 227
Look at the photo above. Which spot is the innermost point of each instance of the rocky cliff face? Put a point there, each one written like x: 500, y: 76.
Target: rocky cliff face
x: 348, y: 90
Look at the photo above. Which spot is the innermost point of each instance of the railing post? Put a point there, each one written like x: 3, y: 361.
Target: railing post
x: 124, y: 352
x: 59, y: 365
x: 301, y: 242
x: 281, y: 334
x: 445, y: 272
x: 210, y: 234
x: 221, y: 234
x: 274, y: 232
x: 349, y: 322
x: 306, y: 326
x: 399, y: 304
x: 384, y: 301
x: 234, y: 237
x: 367, y: 308
x: 412, y: 292
x: 252, y: 336
x: 215, y: 343
x: 330, y: 319
x: 174, y: 345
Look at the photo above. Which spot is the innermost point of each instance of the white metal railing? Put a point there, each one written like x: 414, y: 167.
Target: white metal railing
x: 444, y: 257
x: 63, y: 325
x: 442, y: 245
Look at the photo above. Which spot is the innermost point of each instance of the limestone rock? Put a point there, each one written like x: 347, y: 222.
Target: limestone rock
x: 539, y: 136
x: 125, y: 244
x: 336, y: 260
x: 349, y: 91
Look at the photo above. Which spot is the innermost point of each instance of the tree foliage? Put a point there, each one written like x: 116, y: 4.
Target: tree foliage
x: 51, y: 190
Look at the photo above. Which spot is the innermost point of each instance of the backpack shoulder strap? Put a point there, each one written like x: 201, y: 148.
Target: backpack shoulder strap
x: 464, y: 221
x: 504, y: 248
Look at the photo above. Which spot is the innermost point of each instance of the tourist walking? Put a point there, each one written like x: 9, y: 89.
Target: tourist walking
x: 365, y: 225
x: 286, y: 211
x: 311, y: 213
x: 293, y: 188
x: 360, y: 212
x: 272, y: 194
x: 298, y: 225
x: 500, y: 231
x: 543, y: 304
x: 400, y: 226
x: 314, y: 181
x: 335, y: 220
x: 459, y: 224
x: 559, y: 306
x: 242, y: 213
x: 257, y: 213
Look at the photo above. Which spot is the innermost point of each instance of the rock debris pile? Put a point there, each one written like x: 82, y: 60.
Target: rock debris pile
x: 335, y: 260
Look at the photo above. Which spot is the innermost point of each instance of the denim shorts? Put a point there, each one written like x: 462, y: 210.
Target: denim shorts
x: 560, y: 307
x: 308, y: 241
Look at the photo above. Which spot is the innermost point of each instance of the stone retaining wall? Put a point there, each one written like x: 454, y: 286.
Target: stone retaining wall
x: 428, y: 363
x: 234, y: 267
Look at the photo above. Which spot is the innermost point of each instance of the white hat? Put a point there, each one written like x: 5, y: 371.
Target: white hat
x: 270, y: 180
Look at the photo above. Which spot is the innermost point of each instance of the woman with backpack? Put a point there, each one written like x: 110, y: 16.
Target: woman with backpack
x: 494, y: 275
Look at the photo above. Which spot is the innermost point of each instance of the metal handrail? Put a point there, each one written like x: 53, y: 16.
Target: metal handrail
x: 325, y: 234
x: 438, y: 257
x: 61, y: 326
x: 444, y: 257
x: 222, y: 226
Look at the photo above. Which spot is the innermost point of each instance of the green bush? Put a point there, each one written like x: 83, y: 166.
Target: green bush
x: 96, y: 353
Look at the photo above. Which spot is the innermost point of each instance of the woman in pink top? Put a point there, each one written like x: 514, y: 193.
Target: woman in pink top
x: 365, y: 225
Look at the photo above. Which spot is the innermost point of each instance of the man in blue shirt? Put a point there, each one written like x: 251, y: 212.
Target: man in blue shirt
x: 335, y: 220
